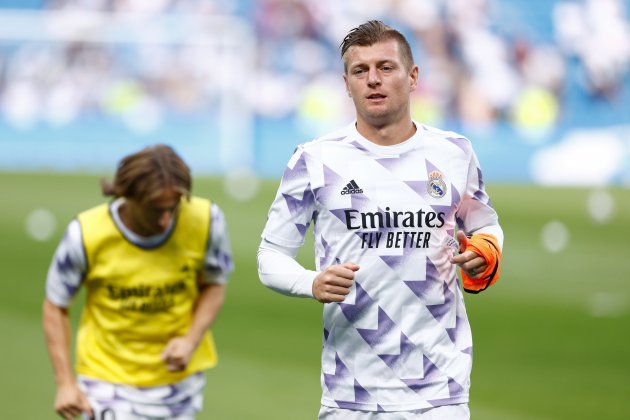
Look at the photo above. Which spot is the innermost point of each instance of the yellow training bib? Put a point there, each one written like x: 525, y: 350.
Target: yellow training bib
x: 138, y: 299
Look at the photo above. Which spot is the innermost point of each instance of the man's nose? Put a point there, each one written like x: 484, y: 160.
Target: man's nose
x: 374, y: 78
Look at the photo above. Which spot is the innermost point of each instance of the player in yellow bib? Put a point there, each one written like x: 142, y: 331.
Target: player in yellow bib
x: 154, y: 262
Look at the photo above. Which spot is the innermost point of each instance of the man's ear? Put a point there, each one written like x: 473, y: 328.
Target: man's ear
x: 413, y: 78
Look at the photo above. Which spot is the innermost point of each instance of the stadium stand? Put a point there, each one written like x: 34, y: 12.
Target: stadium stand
x: 511, y: 75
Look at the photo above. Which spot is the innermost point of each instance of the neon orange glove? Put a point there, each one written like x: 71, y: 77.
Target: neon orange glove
x: 487, y: 247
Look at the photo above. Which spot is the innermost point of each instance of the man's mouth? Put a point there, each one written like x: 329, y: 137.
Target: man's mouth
x: 376, y: 96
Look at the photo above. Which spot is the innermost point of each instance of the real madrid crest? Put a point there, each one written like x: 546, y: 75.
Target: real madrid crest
x: 436, y: 186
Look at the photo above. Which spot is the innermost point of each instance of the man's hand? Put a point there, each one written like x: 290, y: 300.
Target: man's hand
x: 70, y: 402
x: 177, y: 353
x: 333, y: 284
x: 472, y: 263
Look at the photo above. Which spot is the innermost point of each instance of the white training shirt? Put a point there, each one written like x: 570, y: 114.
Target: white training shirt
x: 68, y: 266
x: 401, y: 339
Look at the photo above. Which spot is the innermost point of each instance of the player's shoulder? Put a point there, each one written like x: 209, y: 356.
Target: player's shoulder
x: 94, y: 214
x: 331, y: 139
x: 441, y: 133
x: 446, y: 137
x: 195, y: 207
x: 196, y: 200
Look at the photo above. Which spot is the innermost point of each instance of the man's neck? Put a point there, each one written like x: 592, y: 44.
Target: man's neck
x: 387, y: 134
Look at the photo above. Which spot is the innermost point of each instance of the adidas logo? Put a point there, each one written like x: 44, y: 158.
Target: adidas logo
x: 351, y: 188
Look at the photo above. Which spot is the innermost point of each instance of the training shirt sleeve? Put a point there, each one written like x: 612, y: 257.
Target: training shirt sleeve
x: 218, y: 259
x: 68, y: 267
x: 475, y: 213
x: 293, y: 208
x: 278, y: 270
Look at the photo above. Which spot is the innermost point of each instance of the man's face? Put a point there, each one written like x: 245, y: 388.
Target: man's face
x: 379, y: 83
x: 152, y: 216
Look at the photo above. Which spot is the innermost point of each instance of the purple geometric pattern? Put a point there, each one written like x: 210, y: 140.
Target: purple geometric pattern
x: 480, y: 194
x: 431, y: 375
x: 64, y: 264
x: 359, y: 146
x: 395, y: 360
x: 374, y: 337
x: 454, y: 389
x: 361, y: 397
x: 324, y: 258
x: 419, y: 187
x: 452, y: 332
x: 337, y: 138
x: 389, y: 163
x: 297, y: 206
x: 70, y: 288
x: 362, y: 301
x: 431, y: 167
x: 421, y: 289
x: 173, y: 391
x: 480, y: 177
x: 181, y: 407
x: 460, y: 142
x: 223, y: 261
x: 360, y: 394
x: 299, y: 170
x: 359, y: 202
x: 439, y: 311
x: 341, y: 373
x: 332, y: 185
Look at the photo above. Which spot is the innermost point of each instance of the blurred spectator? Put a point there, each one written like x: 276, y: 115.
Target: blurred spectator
x: 474, y: 70
x: 597, y: 32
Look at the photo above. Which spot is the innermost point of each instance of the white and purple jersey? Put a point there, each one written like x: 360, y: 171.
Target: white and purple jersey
x: 401, y: 339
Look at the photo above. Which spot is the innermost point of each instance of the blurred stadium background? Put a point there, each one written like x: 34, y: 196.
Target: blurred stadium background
x: 542, y: 88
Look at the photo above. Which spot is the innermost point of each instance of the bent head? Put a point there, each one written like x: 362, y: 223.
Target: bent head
x: 152, y: 182
x: 153, y: 215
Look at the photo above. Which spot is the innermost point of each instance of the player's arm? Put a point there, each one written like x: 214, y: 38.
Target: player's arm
x: 70, y: 402
x: 290, y: 215
x: 480, y: 236
x: 179, y: 350
x: 278, y: 270
x: 64, y: 278
x: 212, y: 285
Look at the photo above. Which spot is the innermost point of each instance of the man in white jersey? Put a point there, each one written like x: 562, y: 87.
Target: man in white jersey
x: 386, y: 196
x: 155, y: 263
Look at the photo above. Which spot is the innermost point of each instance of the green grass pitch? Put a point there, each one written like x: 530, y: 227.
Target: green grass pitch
x: 552, y: 337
